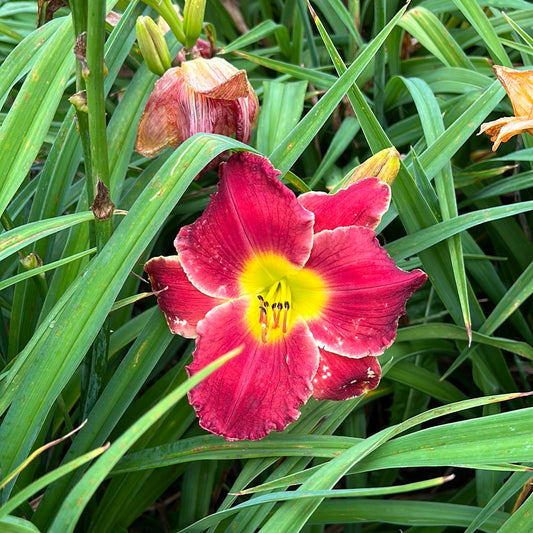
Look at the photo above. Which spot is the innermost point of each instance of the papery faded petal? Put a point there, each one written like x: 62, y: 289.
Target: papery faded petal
x: 201, y: 96
x: 182, y: 303
x: 342, y: 378
x: 252, y: 214
x: 162, y: 122
x: 503, y: 129
x: 260, y: 389
x: 519, y: 87
x: 365, y: 292
x: 361, y: 204
x: 215, y: 78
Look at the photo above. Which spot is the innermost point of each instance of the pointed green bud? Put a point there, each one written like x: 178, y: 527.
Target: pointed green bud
x: 384, y: 165
x: 193, y: 19
x: 153, y: 45
x: 166, y: 9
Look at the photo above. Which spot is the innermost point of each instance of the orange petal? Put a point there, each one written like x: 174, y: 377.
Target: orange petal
x: 503, y: 129
x: 519, y: 86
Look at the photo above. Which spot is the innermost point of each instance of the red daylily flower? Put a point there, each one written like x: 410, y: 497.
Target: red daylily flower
x: 301, y: 284
x: 200, y: 96
x: 518, y: 85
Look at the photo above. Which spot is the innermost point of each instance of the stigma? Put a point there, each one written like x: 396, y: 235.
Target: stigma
x: 274, y: 310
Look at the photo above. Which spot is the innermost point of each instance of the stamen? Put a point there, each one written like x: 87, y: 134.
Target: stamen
x: 270, y: 315
x: 275, y: 314
x: 286, y: 307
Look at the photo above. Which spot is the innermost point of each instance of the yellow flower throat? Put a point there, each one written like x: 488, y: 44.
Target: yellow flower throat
x: 279, y: 294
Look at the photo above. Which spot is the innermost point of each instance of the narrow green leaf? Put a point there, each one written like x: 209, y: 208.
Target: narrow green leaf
x: 475, y: 15
x: 262, y: 30
x: 424, y: 238
x: 213, y: 519
x: 78, y: 498
x: 17, y: 238
x: 431, y: 33
x: 51, y: 477
x: 45, y: 268
x: 297, y: 140
x: 280, y: 99
x: 25, y: 126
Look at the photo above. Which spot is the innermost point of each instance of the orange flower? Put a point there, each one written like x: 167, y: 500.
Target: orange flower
x: 519, y: 87
x: 200, y: 96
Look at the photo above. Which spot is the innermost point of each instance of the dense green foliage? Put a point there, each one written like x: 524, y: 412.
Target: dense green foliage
x: 442, y: 445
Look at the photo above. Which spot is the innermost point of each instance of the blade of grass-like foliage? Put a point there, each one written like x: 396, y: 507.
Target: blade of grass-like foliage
x: 26, y: 124
x: 424, y: 448
x: 78, y: 498
x: 339, y: 9
x: 513, y: 299
x: 319, y: 79
x: 291, y: 517
x: 431, y: 33
x: 288, y: 496
x: 403, y: 512
x: 210, y: 447
x: 452, y: 332
x: 45, y: 268
x: 507, y: 491
x: 424, y: 238
x: 18, y: 238
x: 14, y: 524
x: 288, y: 151
x: 262, y: 30
x: 117, y: 397
x: 527, y: 39
x: 433, y: 126
x: 520, y: 520
x: 23, y: 57
x: 72, y: 332
x: 421, y: 379
x: 343, y: 137
x: 475, y: 15
x: 48, y: 479
x: 443, y: 149
x: 510, y: 302
x: 280, y: 99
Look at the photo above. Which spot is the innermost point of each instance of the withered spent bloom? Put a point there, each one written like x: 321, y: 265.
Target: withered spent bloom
x: 519, y: 87
x: 200, y: 96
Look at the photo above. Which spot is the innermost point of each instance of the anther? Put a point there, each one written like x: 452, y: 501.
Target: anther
x: 286, y: 307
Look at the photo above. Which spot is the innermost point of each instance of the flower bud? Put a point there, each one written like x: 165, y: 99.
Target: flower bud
x: 193, y: 18
x: 153, y: 45
x: 31, y: 261
x: 170, y: 15
x: 384, y: 165
x: 79, y: 101
x: 200, y: 96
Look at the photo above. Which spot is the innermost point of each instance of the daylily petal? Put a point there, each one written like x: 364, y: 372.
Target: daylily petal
x: 251, y: 215
x: 182, y: 303
x: 361, y: 204
x: 215, y: 78
x: 519, y: 87
x: 342, y: 378
x: 365, y: 292
x: 503, y: 129
x: 260, y: 389
x: 201, y: 96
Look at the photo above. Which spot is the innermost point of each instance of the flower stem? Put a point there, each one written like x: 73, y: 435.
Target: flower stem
x: 97, y: 169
